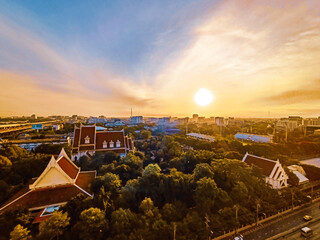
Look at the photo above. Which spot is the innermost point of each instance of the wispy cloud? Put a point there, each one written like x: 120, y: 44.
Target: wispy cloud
x: 243, y: 51
x: 304, y: 94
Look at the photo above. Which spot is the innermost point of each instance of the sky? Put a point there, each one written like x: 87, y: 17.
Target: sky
x: 259, y: 58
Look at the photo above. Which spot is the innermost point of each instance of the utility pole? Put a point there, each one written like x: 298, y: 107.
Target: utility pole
x: 187, y: 127
x: 257, y: 217
x: 286, y: 133
x: 207, y: 226
x: 174, y: 231
x: 236, y: 231
x: 291, y: 199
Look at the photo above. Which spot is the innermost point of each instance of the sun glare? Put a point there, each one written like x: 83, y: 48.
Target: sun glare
x: 203, y: 97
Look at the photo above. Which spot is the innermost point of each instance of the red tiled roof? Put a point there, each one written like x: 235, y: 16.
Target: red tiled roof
x: 87, y: 131
x: 47, y: 196
x: 85, y: 180
x: 121, y: 150
x: 22, y: 191
x: 39, y: 218
x: 91, y: 147
x: 76, y: 137
x: 68, y: 167
x: 108, y: 136
x: 266, y: 165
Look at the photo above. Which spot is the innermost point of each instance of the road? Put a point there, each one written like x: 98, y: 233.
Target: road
x: 297, y: 235
x: 284, y: 223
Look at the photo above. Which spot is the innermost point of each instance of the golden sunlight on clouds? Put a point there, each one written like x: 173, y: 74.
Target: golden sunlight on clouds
x: 254, y: 56
x: 247, y: 52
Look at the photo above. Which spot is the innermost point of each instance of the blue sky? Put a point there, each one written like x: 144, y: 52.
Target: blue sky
x: 121, y: 34
x: 104, y: 57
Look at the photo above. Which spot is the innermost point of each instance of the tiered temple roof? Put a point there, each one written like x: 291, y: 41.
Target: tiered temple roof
x: 59, y: 182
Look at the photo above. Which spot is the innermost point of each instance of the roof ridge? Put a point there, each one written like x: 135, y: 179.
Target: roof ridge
x: 262, y: 158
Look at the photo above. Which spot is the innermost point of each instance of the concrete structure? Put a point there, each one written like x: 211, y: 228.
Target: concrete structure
x: 313, y: 162
x: 136, y: 119
x: 59, y: 182
x: 201, y: 136
x: 87, y: 140
x: 287, y: 124
x: 311, y: 121
x: 97, y: 120
x: 219, y: 121
x: 195, y: 117
x: 253, y: 137
x: 300, y: 173
x: 272, y: 170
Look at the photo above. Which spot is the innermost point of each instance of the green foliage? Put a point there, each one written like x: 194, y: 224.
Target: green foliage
x: 111, y: 182
x: 52, y: 149
x: 92, y: 224
x: 20, y: 233
x: 54, y: 226
x: 151, y: 169
x: 205, y: 194
x: 165, y: 187
x: 5, y: 163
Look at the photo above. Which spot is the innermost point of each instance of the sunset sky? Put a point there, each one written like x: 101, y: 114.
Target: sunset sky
x: 106, y: 57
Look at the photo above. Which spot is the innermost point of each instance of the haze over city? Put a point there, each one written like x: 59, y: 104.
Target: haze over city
x: 257, y: 58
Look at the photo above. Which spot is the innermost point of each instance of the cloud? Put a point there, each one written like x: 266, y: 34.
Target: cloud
x: 38, y: 70
x: 243, y: 51
x: 304, y: 94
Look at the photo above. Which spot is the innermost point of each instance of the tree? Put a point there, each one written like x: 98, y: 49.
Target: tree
x: 5, y: 163
x: 151, y: 169
x: 202, y: 170
x: 54, y: 226
x: 174, y: 149
x: 205, y: 194
x: 92, y: 224
x: 110, y: 181
x: 20, y: 233
x: 145, y: 134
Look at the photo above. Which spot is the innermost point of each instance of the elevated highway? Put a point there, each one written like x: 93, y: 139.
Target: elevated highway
x: 11, y: 128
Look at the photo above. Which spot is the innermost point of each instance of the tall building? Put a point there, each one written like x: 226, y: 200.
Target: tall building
x: 195, y: 117
x: 219, y: 121
x: 87, y: 140
x: 136, y: 119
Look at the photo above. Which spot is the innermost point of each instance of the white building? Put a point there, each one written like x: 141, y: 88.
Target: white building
x: 136, y: 119
x: 272, y: 170
x: 300, y: 173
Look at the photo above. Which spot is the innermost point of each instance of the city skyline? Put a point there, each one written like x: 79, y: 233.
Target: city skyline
x: 94, y: 58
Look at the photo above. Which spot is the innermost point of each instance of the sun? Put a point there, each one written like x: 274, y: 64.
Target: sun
x: 203, y: 97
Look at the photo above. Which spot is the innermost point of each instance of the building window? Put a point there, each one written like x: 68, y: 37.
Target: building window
x: 118, y: 144
x: 111, y: 144
x: 104, y: 144
x: 87, y: 140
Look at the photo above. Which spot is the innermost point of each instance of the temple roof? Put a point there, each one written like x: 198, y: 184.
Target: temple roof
x: 59, y: 182
x: 265, y: 164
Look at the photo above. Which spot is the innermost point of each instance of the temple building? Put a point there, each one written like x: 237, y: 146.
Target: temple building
x: 60, y: 181
x: 87, y: 140
x: 272, y: 170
